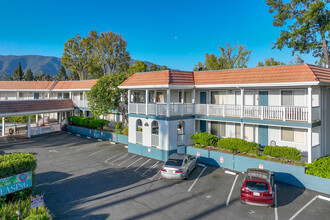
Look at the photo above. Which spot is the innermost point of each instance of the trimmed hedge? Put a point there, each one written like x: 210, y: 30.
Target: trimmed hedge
x: 320, y: 167
x: 87, y: 122
x: 205, y: 139
x: 288, y: 153
x: 236, y: 144
x: 8, y: 211
x: 16, y: 163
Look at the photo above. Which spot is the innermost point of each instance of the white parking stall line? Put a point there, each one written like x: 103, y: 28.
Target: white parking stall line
x: 126, y: 160
x: 151, y: 168
x: 231, y: 190
x: 324, y: 198
x: 134, y: 162
x: 275, y: 206
x: 111, y: 158
x: 142, y: 165
x: 100, y: 151
x: 154, y: 175
x: 85, y: 147
x: 300, y: 210
x: 197, y: 179
x: 120, y: 158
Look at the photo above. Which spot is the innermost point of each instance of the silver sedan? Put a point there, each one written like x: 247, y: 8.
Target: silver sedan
x: 178, y: 166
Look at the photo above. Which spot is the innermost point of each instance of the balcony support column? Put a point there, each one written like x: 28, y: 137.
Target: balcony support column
x: 309, y: 104
x: 193, y: 96
x: 168, y: 102
x: 3, y: 127
x: 242, y: 103
x: 37, y: 120
x: 182, y: 101
x: 129, y: 101
x: 147, y: 100
x: 242, y: 131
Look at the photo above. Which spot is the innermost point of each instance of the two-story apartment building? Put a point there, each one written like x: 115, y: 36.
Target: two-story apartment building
x: 32, y: 90
x: 280, y: 105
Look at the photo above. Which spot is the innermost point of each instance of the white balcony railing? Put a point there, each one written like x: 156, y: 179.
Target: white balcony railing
x: 45, y: 129
x: 248, y: 111
x: 80, y: 103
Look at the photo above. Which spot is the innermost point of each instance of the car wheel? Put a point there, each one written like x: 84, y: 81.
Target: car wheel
x: 187, y: 175
x: 196, y: 164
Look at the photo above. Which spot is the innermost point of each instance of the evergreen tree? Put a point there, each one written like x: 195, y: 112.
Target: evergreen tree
x: 154, y: 67
x: 73, y: 76
x: 18, y: 73
x: 61, y: 74
x: 28, y: 76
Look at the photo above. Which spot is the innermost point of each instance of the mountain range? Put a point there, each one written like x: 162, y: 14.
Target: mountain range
x: 37, y: 63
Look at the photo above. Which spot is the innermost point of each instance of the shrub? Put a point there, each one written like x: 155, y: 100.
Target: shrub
x: 205, y: 139
x: 320, y: 167
x: 125, y: 131
x: 8, y: 211
x: 119, y: 127
x: 236, y: 144
x: 288, y: 153
x: 16, y: 163
x: 87, y: 122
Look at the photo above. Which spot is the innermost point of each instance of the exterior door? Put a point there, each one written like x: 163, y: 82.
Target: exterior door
x: 263, y: 98
x: 202, y: 98
x: 263, y: 135
x: 202, y: 126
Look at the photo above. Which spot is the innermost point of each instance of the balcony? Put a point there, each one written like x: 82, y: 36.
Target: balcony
x: 160, y: 109
x: 258, y: 112
x: 80, y: 103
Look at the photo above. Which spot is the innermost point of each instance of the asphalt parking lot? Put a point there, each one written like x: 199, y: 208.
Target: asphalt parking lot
x: 87, y: 179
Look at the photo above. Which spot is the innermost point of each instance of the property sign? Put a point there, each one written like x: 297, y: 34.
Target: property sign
x: 36, y: 202
x: 15, y: 183
x: 198, y: 154
x: 261, y: 166
x: 221, y: 159
x: 149, y: 150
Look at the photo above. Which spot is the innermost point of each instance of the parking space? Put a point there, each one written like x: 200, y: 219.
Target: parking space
x: 86, y: 179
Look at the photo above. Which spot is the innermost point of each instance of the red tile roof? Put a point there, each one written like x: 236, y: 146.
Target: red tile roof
x: 28, y: 106
x: 275, y: 74
x: 44, y: 85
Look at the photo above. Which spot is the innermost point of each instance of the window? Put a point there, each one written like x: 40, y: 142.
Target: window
x: 81, y: 96
x: 218, y: 129
x: 188, y: 97
x: 139, y: 126
x: 248, y: 98
x: 151, y: 97
x: 161, y: 97
x: 237, y: 97
x: 218, y: 97
x: 154, y: 127
x: 249, y: 132
x: 139, y: 96
x: 21, y: 95
x: 238, y: 131
x: 66, y: 95
x: 293, y: 135
x: 59, y: 95
x: 287, y: 98
x: 180, y: 128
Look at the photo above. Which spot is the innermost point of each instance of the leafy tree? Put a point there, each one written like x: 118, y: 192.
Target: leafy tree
x: 154, y: 67
x: 270, y: 62
x: 28, y: 76
x: 43, y: 77
x: 110, y: 50
x: 307, y: 24
x: 73, y: 76
x: 61, y: 74
x: 18, y: 73
x: 105, y: 95
x: 139, y: 66
x: 78, y: 56
x: 164, y: 67
x: 231, y: 57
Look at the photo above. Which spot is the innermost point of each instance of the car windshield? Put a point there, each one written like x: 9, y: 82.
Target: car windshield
x: 259, y: 186
x: 172, y: 162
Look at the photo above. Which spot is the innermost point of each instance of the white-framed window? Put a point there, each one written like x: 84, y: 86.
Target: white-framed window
x: 161, y: 97
x: 59, y: 95
x: 155, y: 128
x: 293, y: 97
x: 293, y: 135
x: 180, y: 129
x: 218, y: 128
x: 238, y: 130
x: 139, y: 125
x: 218, y: 97
x: 248, y: 98
x: 66, y: 95
x: 237, y: 97
x: 249, y: 132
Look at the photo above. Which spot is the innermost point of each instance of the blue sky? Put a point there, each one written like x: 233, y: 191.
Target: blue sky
x: 176, y: 33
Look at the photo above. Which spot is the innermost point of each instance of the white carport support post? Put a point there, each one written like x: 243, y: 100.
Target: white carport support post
x: 60, y: 119
x: 3, y: 126
x: 147, y: 100
x: 29, y: 127
x: 37, y: 120
x: 242, y: 104
x: 65, y: 118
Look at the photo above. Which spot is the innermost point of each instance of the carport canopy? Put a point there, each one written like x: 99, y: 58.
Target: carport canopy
x: 30, y: 107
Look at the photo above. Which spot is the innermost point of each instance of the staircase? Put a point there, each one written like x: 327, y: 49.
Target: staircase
x: 45, y: 95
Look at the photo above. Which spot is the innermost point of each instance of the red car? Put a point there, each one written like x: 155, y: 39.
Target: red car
x: 258, y: 188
